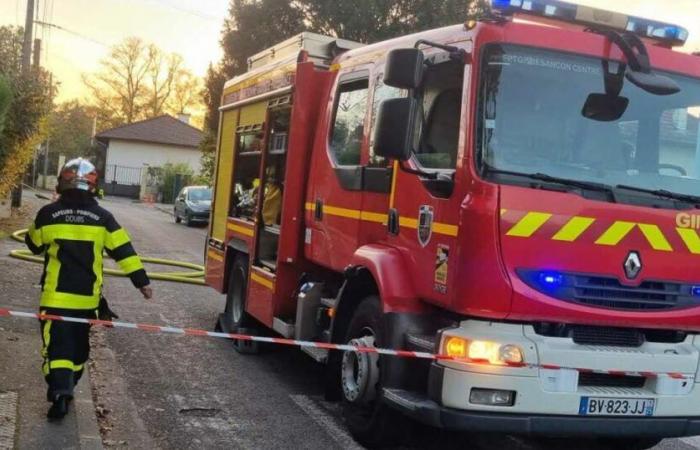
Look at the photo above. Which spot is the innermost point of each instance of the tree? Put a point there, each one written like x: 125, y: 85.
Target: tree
x: 163, y: 73
x: 254, y: 25
x: 119, y: 88
x: 139, y: 81
x: 5, y: 100
x: 186, y: 93
x: 25, y: 116
x: 70, y: 125
x: 373, y: 20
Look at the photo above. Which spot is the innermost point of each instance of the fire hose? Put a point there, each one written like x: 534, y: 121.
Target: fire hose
x: 194, y: 276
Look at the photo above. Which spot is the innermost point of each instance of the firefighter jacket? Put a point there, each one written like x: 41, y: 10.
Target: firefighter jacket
x: 73, y: 236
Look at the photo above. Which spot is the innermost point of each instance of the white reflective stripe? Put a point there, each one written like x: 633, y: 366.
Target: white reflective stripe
x: 173, y: 330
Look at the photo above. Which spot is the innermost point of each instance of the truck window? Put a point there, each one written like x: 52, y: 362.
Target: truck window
x: 246, y: 173
x: 381, y: 92
x: 442, y: 100
x: 530, y: 121
x: 348, y: 123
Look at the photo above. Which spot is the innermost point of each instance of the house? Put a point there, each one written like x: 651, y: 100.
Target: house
x: 152, y: 142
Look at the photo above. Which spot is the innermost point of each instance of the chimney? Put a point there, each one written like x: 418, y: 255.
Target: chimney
x: 184, y: 117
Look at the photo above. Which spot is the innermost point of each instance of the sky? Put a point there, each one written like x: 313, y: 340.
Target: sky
x: 192, y: 28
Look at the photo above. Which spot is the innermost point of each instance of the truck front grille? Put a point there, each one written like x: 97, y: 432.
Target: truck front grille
x: 609, y: 292
x: 616, y: 337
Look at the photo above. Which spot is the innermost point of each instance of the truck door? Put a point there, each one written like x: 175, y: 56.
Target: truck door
x: 377, y: 170
x: 335, y: 188
x: 427, y: 210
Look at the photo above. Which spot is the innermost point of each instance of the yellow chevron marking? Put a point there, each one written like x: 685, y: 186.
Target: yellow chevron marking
x: 240, y: 229
x: 615, y: 233
x: 573, y: 229
x: 656, y: 238
x: 263, y: 281
x: 691, y: 239
x: 528, y: 225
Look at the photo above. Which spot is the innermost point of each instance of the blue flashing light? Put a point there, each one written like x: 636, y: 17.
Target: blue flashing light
x: 695, y: 291
x: 584, y: 14
x: 657, y: 30
x: 550, y: 280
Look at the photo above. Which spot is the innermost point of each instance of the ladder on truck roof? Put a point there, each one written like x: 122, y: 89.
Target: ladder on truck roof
x: 321, y: 49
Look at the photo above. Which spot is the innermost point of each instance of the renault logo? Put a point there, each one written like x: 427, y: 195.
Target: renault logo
x: 633, y: 265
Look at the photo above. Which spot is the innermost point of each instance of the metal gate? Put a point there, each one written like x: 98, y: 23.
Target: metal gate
x: 122, y: 181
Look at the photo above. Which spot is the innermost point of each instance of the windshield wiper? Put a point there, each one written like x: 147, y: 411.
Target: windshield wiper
x: 662, y: 193
x: 589, y: 185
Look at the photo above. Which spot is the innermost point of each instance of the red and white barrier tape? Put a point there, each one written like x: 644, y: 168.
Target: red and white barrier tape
x: 323, y: 345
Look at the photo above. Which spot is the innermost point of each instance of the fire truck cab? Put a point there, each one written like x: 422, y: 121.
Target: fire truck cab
x: 519, y: 192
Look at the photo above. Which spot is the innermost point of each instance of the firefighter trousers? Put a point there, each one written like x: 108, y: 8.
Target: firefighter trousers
x: 65, y: 350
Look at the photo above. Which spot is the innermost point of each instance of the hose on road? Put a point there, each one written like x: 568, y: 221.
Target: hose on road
x: 195, y: 276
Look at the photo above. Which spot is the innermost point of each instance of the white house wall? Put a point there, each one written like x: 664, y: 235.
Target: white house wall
x: 137, y: 154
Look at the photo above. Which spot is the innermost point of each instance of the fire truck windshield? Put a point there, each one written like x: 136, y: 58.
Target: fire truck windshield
x: 531, y: 122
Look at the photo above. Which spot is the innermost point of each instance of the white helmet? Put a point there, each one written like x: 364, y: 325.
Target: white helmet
x: 78, y: 173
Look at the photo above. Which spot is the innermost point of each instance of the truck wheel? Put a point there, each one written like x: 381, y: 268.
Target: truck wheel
x: 177, y: 218
x: 371, y: 422
x: 236, y: 315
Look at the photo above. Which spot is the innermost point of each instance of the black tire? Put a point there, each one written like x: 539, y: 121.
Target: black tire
x: 188, y: 219
x: 177, y: 218
x: 372, y: 423
x: 236, y: 315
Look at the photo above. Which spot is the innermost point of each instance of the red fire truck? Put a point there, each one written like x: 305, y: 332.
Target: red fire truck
x: 521, y: 190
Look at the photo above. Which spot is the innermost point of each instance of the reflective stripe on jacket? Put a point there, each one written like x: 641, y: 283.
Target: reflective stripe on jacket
x: 73, y: 236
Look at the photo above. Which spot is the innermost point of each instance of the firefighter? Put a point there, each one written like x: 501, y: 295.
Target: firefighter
x: 72, y: 233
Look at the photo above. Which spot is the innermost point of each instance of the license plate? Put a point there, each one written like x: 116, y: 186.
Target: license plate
x: 611, y: 406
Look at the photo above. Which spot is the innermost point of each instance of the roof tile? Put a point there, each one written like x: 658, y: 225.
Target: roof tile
x: 160, y: 130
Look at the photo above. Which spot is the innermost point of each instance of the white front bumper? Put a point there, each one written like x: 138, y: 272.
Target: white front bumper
x: 558, y: 392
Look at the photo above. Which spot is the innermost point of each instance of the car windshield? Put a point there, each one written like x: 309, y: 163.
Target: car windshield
x: 199, y: 195
x: 531, y: 122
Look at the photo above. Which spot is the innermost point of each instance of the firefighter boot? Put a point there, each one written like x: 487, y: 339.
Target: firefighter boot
x: 59, y: 408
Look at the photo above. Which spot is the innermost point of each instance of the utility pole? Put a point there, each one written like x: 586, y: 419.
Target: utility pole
x: 28, y: 35
x: 48, y: 139
x: 26, y: 69
x: 36, y: 63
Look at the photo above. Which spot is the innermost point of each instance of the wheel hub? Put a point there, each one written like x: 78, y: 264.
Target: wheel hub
x: 360, y: 372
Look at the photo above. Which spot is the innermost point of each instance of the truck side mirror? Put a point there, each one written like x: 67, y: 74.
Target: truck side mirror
x: 394, y: 133
x: 404, y: 68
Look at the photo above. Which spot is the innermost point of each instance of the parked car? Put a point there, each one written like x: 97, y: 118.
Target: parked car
x: 193, y: 204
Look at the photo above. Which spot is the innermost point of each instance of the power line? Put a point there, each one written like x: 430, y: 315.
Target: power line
x: 189, y: 11
x: 75, y: 33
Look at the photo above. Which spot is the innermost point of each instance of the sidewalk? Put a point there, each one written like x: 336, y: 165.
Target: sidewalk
x: 23, y: 402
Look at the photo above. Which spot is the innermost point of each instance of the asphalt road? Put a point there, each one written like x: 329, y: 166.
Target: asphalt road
x: 166, y: 391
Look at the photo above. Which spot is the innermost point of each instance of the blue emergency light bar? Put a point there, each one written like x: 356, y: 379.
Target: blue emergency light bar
x: 570, y: 12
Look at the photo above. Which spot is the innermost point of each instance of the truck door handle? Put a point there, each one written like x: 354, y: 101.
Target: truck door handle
x: 318, y: 210
x: 392, y: 222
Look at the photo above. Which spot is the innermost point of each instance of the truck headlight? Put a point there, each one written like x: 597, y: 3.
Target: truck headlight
x: 493, y: 352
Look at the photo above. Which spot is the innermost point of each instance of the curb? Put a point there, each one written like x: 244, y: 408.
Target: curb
x: 164, y: 209
x: 88, y: 430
